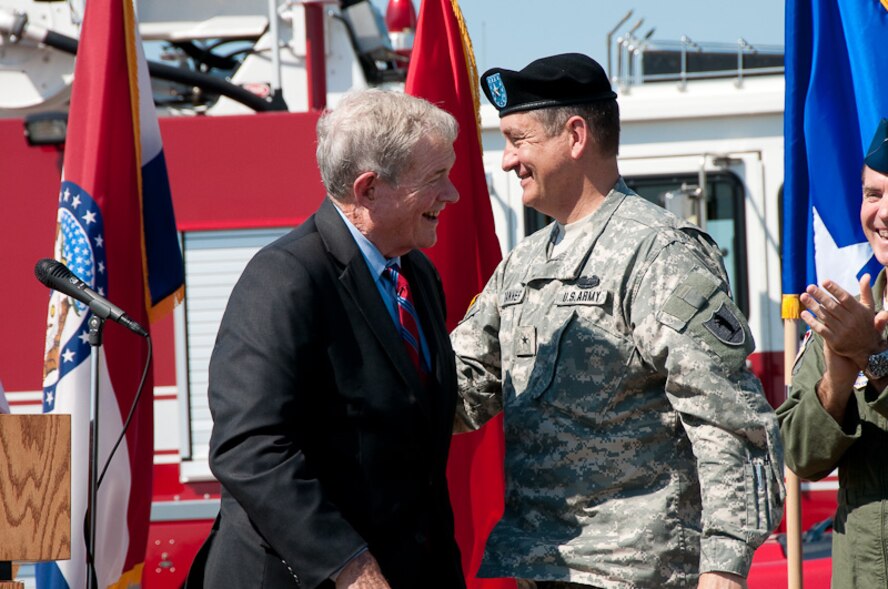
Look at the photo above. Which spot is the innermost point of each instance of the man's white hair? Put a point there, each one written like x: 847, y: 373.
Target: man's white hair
x: 376, y: 131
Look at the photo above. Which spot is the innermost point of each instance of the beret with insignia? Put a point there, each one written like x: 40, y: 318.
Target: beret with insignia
x: 877, y: 154
x: 558, y: 80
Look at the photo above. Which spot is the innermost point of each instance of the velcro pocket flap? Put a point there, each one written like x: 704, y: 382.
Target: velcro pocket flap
x: 687, y: 299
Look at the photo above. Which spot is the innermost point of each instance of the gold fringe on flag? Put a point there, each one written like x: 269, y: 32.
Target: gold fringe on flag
x: 471, y: 67
x: 791, y: 307
x: 165, y: 306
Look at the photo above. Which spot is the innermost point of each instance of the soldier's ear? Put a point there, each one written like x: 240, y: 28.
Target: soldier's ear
x: 578, y: 135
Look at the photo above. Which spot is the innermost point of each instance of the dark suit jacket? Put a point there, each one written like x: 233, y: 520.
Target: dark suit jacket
x: 324, y: 438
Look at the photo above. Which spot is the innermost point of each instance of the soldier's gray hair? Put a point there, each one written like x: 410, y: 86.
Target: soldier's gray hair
x: 603, y: 118
x: 376, y: 131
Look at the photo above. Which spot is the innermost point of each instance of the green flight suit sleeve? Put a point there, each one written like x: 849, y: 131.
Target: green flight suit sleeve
x: 814, y: 442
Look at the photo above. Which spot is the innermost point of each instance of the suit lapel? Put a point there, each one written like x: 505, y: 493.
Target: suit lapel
x: 359, y: 284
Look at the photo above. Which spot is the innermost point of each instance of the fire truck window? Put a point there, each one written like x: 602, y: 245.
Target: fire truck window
x: 724, y: 218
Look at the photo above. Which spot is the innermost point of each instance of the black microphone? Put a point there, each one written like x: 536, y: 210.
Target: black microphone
x: 56, y: 276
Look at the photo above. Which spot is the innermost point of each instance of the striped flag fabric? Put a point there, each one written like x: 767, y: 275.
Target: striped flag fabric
x: 115, y: 230
x: 835, y: 57
x: 442, y: 70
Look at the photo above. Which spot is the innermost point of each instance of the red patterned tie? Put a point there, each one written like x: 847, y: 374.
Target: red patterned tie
x: 407, y: 318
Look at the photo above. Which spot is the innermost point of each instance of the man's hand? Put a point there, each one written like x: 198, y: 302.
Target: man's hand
x: 362, y: 572
x: 721, y: 581
x: 850, y: 327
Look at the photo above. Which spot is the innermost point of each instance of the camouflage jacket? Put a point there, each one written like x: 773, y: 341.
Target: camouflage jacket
x: 640, y: 450
x: 816, y: 445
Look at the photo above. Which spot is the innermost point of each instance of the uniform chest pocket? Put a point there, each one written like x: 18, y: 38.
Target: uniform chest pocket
x: 582, y: 365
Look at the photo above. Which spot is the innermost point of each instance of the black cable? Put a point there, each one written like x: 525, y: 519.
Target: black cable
x: 181, y: 76
x: 90, y: 560
x: 206, y: 57
x: 129, y: 417
x: 90, y: 557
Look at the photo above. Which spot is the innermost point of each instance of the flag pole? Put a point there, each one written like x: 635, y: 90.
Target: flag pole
x: 793, y: 511
x: 96, y: 324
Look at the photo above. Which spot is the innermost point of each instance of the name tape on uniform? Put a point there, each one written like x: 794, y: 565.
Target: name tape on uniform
x: 512, y: 297
x: 580, y: 296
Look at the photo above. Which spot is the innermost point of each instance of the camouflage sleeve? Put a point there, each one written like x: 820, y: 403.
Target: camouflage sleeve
x: 814, y: 441
x: 687, y: 328
x: 476, y: 345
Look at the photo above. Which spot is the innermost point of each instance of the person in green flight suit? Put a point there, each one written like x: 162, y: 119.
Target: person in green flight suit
x: 837, y: 413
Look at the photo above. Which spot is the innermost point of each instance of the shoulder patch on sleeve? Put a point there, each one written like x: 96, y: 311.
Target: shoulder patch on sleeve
x: 472, y: 308
x: 805, y: 339
x: 725, y: 326
x: 802, y: 347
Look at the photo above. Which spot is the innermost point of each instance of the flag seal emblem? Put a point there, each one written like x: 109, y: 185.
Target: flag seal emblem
x: 497, y: 90
x: 80, y: 237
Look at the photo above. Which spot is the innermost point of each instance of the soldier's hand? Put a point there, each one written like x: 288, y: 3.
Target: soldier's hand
x: 850, y: 327
x: 721, y: 581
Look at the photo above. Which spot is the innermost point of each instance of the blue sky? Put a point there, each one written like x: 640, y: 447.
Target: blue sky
x: 512, y: 33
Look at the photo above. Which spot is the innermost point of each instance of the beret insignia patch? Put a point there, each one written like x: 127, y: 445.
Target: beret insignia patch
x: 497, y: 90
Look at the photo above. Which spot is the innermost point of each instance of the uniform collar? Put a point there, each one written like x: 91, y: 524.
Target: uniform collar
x: 568, y: 266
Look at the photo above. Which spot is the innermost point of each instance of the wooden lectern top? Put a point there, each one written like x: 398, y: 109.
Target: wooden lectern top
x: 35, y: 487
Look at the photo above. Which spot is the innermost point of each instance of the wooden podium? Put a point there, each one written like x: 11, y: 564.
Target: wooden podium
x: 35, y: 489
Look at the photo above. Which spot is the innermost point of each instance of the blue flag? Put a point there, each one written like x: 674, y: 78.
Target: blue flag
x: 835, y: 64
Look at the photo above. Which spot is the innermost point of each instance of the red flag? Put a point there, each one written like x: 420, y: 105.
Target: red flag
x: 442, y: 70
x: 116, y: 232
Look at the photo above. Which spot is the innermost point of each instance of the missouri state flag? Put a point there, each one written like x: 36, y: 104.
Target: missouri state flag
x: 835, y: 62
x: 115, y: 230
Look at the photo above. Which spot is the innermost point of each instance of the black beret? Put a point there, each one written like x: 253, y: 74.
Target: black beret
x: 877, y: 154
x: 559, y: 80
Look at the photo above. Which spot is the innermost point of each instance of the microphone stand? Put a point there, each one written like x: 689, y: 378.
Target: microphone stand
x: 96, y: 324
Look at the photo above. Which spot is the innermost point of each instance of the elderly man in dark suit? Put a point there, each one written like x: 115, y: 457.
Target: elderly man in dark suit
x: 332, y: 381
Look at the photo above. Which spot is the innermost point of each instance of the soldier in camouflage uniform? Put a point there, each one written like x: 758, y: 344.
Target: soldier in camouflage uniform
x: 837, y: 412
x: 640, y: 450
